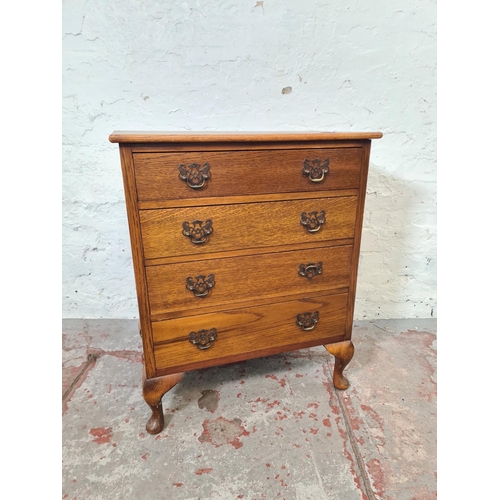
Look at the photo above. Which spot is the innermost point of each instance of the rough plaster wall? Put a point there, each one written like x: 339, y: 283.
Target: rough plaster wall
x: 223, y: 65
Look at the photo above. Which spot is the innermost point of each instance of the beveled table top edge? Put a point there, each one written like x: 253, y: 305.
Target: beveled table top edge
x: 120, y: 136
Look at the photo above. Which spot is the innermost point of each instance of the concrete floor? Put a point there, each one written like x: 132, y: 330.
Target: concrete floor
x: 261, y: 429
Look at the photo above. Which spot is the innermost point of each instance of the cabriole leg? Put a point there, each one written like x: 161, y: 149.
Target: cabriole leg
x: 343, y: 352
x: 153, y: 390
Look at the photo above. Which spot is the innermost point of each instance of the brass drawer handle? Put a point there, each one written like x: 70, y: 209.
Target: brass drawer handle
x: 313, y: 221
x: 316, y: 169
x: 198, y: 231
x: 307, y: 321
x: 195, y: 175
x: 203, y: 339
x: 310, y: 270
x: 200, y: 285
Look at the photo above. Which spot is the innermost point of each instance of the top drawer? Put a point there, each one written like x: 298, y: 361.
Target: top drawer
x: 174, y: 176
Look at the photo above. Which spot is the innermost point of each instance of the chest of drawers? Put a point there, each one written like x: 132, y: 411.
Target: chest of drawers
x: 244, y: 245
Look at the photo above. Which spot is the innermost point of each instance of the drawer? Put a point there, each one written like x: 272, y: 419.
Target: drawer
x: 201, y: 230
x: 243, y: 278
x: 248, y: 333
x: 234, y: 173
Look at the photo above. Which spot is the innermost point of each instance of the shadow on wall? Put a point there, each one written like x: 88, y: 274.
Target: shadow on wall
x: 398, y: 249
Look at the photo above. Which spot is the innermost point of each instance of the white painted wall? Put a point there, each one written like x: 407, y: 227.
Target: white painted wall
x: 222, y: 65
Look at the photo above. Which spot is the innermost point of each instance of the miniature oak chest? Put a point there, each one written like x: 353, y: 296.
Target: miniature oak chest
x: 244, y: 245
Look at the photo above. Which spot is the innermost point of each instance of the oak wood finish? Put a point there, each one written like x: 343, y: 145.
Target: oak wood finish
x: 248, y: 199
x: 246, y: 332
x: 239, y: 279
x: 268, y: 285
x: 343, y: 352
x: 233, y: 306
x: 357, y: 237
x: 153, y: 390
x: 122, y: 136
x: 238, y: 146
x: 253, y: 225
x: 247, y: 251
x: 238, y: 173
x: 138, y: 258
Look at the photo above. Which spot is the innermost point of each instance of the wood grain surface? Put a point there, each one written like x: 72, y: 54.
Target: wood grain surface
x: 177, y: 147
x: 247, y: 251
x: 245, y: 333
x: 138, y: 258
x: 251, y: 198
x: 153, y: 390
x: 357, y: 238
x: 155, y: 137
x: 239, y: 279
x: 235, y: 173
x: 343, y: 352
x: 253, y: 225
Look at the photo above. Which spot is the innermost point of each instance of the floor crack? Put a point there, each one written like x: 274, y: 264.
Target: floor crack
x: 91, y: 358
x: 355, y: 449
x: 359, y: 459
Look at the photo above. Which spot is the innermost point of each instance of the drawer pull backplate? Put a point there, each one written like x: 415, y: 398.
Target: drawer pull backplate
x: 307, y: 321
x: 195, y: 175
x: 315, y: 169
x: 203, y: 338
x: 310, y: 270
x: 200, y: 285
x: 197, y: 231
x: 313, y: 221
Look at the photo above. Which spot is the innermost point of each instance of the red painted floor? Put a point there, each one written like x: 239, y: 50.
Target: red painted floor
x: 268, y: 428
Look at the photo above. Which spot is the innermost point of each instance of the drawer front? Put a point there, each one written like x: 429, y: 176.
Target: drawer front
x: 237, y: 173
x: 248, y: 332
x: 200, y: 230
x: 237, y: 279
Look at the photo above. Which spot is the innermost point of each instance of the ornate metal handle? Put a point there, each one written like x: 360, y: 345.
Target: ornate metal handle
x: 203, y: 339
x: 313, y: 221
x: 200, y: 285
x: 316, y: 169
x: 309, y: 271
x: 198, y: 231
x: 307, y: 321
x: 194, y: 174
